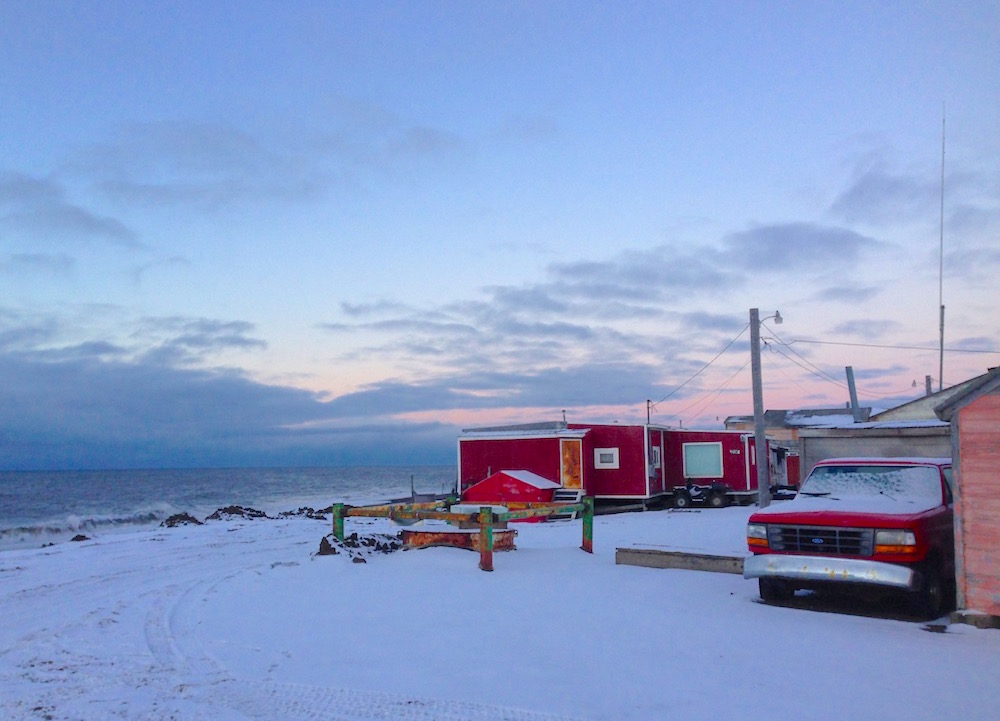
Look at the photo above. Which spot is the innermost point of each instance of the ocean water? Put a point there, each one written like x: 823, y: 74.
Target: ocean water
x: 39, y: 507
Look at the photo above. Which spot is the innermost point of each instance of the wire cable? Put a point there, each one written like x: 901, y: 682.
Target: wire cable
x: 712, y: 395
x: 894, y: 347
x: 728, y: 346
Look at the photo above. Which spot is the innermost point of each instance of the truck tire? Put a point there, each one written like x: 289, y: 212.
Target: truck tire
x: 931, y: 600
x: 774, y: 590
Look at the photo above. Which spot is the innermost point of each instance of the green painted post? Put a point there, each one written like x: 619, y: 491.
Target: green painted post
x: 588, y: 524
x: 486, y: 538
x: 338, y: 521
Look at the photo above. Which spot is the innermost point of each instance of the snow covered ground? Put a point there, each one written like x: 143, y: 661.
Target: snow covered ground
x: 241, y: 619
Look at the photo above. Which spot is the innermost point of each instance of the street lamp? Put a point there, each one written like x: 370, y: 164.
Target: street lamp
x: 760, y: 440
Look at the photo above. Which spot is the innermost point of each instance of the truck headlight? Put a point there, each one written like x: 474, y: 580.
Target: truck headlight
x: 895, y: 541
x: 757, y: 535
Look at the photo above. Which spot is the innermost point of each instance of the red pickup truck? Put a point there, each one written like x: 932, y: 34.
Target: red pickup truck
x: 862, y: 523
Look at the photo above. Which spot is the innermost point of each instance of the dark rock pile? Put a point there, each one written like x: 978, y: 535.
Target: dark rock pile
x: 305, y: 512
x: 180, y: 519
x: 230, y: 512
x: 357, y: 547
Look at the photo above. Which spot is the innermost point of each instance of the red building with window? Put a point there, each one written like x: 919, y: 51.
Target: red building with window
x: 614, y: 461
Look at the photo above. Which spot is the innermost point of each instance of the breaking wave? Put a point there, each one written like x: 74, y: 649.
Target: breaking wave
x: 55, y: 531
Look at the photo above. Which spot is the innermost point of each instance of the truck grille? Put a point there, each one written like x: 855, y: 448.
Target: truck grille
x: 822, y: 540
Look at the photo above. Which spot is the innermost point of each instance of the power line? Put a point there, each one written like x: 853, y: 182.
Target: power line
x: 728, y: 346
x: 716, y: 391
x: 816, y: 370
x: 892, y: 347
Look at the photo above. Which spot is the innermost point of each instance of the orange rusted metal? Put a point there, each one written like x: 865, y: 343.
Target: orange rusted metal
x: 503, y: 540
x: 571, y: 467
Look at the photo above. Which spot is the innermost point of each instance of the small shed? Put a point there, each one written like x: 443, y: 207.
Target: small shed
x: 511, y: 487
x: 974, y: 415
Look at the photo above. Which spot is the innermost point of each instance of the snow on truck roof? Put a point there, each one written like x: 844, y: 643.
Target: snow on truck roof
x: 883, y: 460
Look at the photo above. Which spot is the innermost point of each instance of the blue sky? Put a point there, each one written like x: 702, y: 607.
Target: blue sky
x: 336, y: 233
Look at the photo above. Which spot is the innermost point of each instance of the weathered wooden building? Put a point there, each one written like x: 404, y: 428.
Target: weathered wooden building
x: 974, y: 416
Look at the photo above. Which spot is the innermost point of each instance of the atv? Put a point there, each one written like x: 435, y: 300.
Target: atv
x: 714, y: 495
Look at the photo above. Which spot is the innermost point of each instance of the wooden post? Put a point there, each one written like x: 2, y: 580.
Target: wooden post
x: 486, y: 538
x: 588, y: 524
x: 337, y: 511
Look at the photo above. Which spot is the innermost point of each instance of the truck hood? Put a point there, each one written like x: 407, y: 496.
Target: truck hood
x: 899, y: 507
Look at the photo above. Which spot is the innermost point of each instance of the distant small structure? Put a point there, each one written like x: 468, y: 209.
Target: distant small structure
x: 784, y: 425
x: 923, y: 409
x: 910, y: 429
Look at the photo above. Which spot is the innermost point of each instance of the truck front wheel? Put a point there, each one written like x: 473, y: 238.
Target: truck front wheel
x: 930, y: 600
x: 774, y: 590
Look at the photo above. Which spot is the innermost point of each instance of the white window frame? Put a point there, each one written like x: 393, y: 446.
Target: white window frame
x: 717, y: 444
x: 657, y: 460
x: 613, y: 464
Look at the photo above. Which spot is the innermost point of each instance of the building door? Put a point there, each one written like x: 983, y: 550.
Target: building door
x: 570, y: 466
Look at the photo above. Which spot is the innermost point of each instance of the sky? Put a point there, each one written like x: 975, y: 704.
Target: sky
x: 315, y: 233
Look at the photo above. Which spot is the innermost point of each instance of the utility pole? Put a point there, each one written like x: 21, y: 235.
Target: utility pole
x: 760, y: 440
x: 941, y: 262
x: 855, y: 410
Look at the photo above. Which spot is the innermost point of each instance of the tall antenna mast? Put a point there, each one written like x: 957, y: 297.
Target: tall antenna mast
x: 941, y: 259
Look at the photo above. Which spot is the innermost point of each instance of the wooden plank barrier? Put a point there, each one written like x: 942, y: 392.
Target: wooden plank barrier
x: 486, y: 519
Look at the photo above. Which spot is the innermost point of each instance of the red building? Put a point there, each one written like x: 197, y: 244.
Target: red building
x: 513, y: 486
x: 974, y: 414
x: 613, y: 461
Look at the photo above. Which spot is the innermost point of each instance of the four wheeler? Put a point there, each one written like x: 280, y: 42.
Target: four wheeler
x: 713, y: 495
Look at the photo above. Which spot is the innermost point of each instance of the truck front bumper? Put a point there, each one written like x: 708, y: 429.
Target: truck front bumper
x: 816, y: 569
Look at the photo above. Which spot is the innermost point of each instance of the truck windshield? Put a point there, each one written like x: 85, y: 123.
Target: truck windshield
x: 894, y: 481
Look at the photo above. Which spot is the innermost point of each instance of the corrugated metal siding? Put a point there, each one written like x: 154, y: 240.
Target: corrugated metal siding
x: 979, y: 507
x: 873, y: 444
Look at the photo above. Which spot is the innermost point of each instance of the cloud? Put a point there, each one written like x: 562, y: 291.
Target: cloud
x: 848, y: 293
x: 60, y: 413
x: 658, y: 273
x: 36, y: 209
x: 19, y: 189
x: 57, y: 264
x: 141, y: 271
x: 594, y: 384
x: 19, y: 333
x: 789, y: 247
x: 204, y: 165
x: 866, y: 329
x: 213, y: 166
x: 185, y: 341
x: 879, y: 196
